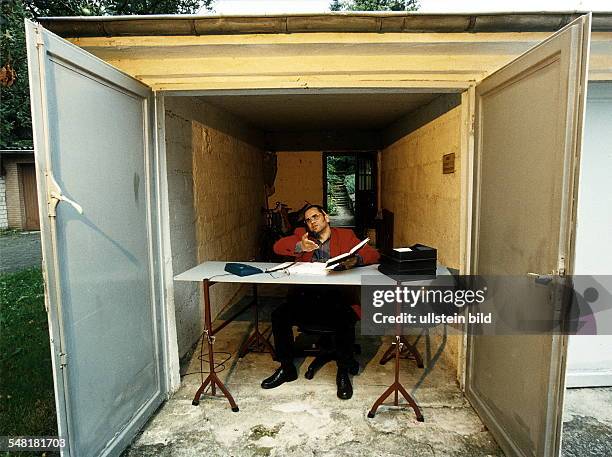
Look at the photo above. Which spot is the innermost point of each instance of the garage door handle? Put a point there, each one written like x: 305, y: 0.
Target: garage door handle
x: 541, y: 279
x: 56, y: 195
x: 74, y: 204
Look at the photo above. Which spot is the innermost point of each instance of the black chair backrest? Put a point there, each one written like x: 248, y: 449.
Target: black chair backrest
x: 386, y: 238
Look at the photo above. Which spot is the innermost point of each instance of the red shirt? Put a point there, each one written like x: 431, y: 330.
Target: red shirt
x: 342, y: 240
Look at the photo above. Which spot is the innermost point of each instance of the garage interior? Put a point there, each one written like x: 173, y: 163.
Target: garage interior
x: 215, y: 147
x: 277, y: 52
x: 214, y: 152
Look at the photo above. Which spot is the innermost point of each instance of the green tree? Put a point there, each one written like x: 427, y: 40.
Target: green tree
x: 335, y: 5
x: 374, y: 5
x: 40, y: 8
x: 15, y: 121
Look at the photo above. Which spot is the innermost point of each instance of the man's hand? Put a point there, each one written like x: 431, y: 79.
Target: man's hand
x: 308, y: 245
x: 349, y: 263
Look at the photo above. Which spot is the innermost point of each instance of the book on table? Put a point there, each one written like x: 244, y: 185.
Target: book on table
x: 318, y: 268
x: 335, y: 261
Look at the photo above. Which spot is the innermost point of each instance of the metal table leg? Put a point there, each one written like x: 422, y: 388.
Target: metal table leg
x: 256, y: 342
x: 212, y: 377
x: 407, y: 351
x: 396, y: 388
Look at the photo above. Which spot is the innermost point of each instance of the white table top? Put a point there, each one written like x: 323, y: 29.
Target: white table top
x: 214, y: 270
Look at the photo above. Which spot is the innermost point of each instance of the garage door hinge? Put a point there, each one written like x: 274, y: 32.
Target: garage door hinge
x: 561, y: 271
x: 39, y: 39
x: 63, y: 359
x: 55, y: 196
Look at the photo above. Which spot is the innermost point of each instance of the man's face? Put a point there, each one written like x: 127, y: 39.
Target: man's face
x: 316, y: 221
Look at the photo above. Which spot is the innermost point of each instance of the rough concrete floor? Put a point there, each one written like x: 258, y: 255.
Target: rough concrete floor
x: 587, y: 423
x: 305, y: 418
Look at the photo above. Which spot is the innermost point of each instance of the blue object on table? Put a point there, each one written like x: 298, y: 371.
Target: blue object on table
x: 240, y: 269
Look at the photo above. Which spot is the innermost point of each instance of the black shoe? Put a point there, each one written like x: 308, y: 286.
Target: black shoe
x: 353, y: 367
x: 281, y: 375
x: 343, y: 382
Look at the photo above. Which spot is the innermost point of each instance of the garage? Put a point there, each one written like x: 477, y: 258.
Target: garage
x: 172, y: 119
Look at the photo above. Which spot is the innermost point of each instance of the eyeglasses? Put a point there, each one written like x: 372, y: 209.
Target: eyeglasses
x: 313, y: 218
x: 279, y: 274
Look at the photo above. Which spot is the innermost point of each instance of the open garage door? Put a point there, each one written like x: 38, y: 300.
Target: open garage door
x: 93, y: 142
x: 527, y: 140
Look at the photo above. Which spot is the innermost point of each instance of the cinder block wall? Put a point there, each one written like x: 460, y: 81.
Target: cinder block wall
x: 186, y: 296
x: 425, y: 202
x: 299, y: 178
x: 3, y: 212
x: 228, y: 197
x: 215, y: 185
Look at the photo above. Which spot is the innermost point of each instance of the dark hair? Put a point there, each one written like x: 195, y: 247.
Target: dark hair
x: 318, y: 207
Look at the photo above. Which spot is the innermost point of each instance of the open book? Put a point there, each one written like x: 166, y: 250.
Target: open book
x: 334, y: 261
x: 317, y: 268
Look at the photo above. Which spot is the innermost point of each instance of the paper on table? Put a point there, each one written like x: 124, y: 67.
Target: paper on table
x: 402, y: 249
x: 308, y: 268
x: 279, y: 267
x: 302, y: 268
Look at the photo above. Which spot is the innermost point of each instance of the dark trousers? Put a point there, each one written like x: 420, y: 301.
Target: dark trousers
x: 321, y: 305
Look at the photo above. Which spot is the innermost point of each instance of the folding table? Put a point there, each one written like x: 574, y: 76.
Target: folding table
x: 212, y: 272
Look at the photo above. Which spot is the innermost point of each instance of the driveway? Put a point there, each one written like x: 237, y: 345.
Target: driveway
x: 19, y: 250
x: 587, y: 422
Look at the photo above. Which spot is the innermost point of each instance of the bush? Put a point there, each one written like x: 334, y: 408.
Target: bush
x: 349, y: 183
x: 331, y: 206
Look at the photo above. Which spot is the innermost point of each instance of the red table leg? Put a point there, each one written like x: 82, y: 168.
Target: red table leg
x: 212, y: 377
x: 407, y: 351
x: 396, y: 388
x: 256, y: 342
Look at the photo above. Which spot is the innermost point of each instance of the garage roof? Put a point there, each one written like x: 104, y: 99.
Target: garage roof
x: 409, y: 22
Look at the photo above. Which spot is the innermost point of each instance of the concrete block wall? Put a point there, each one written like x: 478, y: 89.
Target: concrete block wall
x: 228, y: 198
x: 3, y: 211
x: 215, y: 185
x: 299, y: 178
x: 425, y: 202
x: 186, y: 296
x: 228, y: 191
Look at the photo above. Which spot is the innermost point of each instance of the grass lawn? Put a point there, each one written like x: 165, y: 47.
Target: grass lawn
x: 27, y: 403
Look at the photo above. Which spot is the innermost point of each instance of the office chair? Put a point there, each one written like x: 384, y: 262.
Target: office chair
x: 324, y: 349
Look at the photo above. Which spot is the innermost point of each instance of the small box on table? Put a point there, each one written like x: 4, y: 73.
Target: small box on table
x: 417, y: 259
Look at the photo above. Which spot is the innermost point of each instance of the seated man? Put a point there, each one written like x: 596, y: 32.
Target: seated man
x: 324, y: 305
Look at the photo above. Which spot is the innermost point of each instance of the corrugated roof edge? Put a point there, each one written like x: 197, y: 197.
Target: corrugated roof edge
x: 372, y: 22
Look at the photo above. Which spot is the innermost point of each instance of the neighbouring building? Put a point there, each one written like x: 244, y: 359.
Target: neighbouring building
x: 18, y: 199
